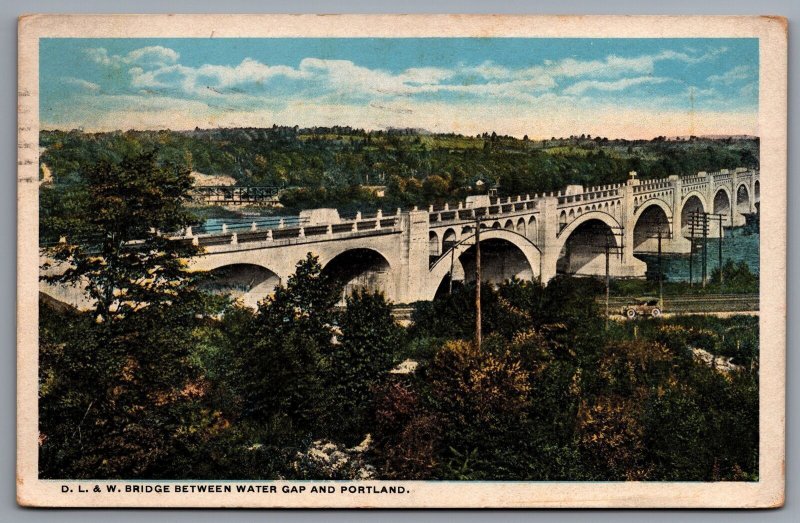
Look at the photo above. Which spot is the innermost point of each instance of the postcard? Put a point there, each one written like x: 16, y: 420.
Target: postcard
x: 401, y: 261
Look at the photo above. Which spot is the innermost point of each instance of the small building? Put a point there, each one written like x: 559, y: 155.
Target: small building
x: 377, y: 190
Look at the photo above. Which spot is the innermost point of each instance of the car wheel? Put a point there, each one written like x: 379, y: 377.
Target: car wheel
x: 630, y: 313
x: 656, y: 312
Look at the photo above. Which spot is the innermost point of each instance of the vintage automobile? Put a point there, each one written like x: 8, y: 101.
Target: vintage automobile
x: 642, y: 307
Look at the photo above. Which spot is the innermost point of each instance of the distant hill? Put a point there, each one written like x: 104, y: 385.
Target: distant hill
x: 328, y: 166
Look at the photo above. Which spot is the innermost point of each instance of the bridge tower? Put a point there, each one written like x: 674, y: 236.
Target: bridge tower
x: 410, y: 281
x: 548, y: 236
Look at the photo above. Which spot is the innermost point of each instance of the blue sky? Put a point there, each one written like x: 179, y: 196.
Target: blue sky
x: 541, y: 87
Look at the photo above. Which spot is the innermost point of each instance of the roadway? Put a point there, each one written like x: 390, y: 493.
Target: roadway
x: 720, y: 305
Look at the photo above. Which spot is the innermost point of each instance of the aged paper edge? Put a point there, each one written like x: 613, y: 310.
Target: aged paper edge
x: 772, y: 118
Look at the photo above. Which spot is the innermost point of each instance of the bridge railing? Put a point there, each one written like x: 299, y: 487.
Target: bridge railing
x: 588, y: 197
x: 500, y: 207
x: 652, y: 186
x: 299, y: 231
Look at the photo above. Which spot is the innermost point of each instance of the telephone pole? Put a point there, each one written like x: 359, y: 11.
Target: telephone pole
x: 660, y: 275
x: 719, y: 218
x: 607, y: 249
x: 691, y: 249
x: 719, y: 253
x: 608, y: 277
x: 452, y: 262
x: 478, y: 281
x: 705, y: 248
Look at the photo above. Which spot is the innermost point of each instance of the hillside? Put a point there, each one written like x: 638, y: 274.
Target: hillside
x: 329, y: 166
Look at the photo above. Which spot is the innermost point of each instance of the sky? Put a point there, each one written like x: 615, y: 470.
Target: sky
x: 618, y: 88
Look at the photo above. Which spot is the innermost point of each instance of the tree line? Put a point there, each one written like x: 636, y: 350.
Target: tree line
x: 335, y: 166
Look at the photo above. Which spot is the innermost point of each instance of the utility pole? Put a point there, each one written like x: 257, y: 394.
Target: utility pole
x: 478, y: 281
x: 606, y: 250
x: 705, y: 247
x: 660, y: 275
x: 691, y: 249
x: 719, y: 218
x: 608, y: 277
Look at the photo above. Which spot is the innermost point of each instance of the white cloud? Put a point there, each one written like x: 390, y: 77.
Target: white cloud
x: 748, y: 90
x: 83, y: 85
x: 536, y: 100
x: 617, y: 85
x: 208, y: 79
x: 155, y: 55
x: 738, y: 73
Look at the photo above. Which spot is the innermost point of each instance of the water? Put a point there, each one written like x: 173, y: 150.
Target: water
x: 739, y: 244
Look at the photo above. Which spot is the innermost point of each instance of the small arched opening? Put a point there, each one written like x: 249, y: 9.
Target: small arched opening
x: 742, y: 199
x: 449, y: 239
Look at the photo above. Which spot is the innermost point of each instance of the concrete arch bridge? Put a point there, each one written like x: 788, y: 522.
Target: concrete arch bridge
x: 411, y: 255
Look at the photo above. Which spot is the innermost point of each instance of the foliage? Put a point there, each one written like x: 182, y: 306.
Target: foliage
x: 737, y: 278
x: 366, y: 353
x: 121, y: 399
x: 407, y: 436
x: 111, y: 224
x: 333, y: 167
x: 283, y: 350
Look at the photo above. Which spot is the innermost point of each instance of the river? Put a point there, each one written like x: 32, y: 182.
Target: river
x: 739, y: 244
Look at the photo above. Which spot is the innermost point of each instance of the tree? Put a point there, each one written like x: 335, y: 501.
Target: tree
x: 370, y: 338
x: 284, y: 353
x: 114, y: 242
x: 122, y: 396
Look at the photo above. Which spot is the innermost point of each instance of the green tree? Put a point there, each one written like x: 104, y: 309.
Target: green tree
x: 284, y: 354
x: 121, y: 392
x: 114, y: 242
x: 369, y: 341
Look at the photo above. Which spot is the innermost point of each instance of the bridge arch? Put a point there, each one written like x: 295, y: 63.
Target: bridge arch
x: 246, y: 283
x: 692, y: 203
x: 509, y: 226
x: 757, y: 191
x: 504, y: 254
x: 361, y: 269
x: 652, y: 219
x: 590, y: 215
x: 742, y: 199
x: 581, y: 243
x: 658, y: 202
x: 722, y: 202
